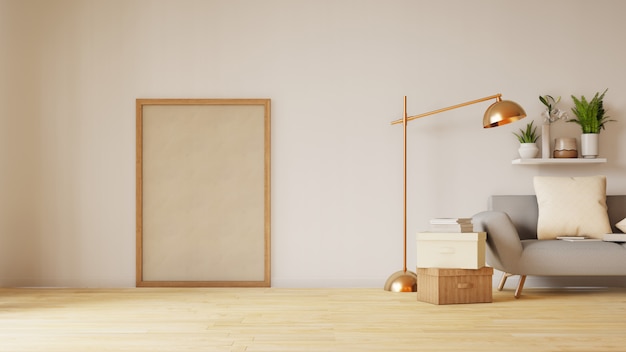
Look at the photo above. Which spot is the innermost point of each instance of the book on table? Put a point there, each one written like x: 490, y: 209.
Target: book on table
x: 447, y: 221
x: 577, y: 238
x: 451, y: 225
x: 614, y: 237
x: 452, y: 228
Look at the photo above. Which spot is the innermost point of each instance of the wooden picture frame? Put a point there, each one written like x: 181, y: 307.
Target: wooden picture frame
x: 203, y: 193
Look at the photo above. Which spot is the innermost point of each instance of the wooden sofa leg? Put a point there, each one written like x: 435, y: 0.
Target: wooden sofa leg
x: 503, y: 280
x: 520, y: 286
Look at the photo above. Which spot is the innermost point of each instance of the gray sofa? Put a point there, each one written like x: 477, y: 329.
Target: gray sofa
x: 513, y: 247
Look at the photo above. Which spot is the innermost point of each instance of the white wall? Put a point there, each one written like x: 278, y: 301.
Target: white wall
x: 336, y: 72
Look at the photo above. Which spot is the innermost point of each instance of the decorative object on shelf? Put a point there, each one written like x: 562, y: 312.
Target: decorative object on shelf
x: 528, y: 150
x: 545, y: 141
x: 501, y: 112
x: 550, y: 115
x: 591, y: 117
x: 527, y: 138
x: 589, y: 144
x: 565, y: 148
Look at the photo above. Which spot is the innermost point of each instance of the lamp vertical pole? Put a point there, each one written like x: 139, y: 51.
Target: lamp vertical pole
x: 404, y: 123
x: 404, y: 280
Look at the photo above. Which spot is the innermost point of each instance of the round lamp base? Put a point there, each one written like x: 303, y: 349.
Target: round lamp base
x: 402, y: 281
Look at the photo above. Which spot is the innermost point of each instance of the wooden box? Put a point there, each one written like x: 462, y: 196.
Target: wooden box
x: 451, y: 250
x: 453, y: 286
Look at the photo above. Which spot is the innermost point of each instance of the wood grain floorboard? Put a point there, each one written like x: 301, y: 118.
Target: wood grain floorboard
x: 275, y: 319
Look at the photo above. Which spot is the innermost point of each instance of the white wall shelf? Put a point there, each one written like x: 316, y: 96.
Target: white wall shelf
x: 558, y: 161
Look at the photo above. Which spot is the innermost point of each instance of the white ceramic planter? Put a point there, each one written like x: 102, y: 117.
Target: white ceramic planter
x: 528, y: 150
x: 589, y: 145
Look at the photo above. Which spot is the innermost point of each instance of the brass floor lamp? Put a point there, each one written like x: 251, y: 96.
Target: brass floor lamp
x: 499, y: 113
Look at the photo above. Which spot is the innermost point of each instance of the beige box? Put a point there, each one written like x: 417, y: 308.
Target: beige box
x: 451, y: 250
x: 454, y: 286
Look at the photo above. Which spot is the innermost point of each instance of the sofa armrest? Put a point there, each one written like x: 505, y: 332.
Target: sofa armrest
x: 504, y: 247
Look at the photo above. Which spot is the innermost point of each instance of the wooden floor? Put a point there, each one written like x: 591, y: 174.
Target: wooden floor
x: 191, y: 319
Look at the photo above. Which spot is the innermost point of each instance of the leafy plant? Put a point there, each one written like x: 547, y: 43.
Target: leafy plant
x: 552, y: 113
x: 529, y: 135
x: 590, y: 115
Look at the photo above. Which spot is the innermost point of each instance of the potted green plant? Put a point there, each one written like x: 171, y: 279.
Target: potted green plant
x: 591, y: 117
x: 527, y: 138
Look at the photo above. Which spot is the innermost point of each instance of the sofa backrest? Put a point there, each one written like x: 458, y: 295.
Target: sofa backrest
x: 523, y: 211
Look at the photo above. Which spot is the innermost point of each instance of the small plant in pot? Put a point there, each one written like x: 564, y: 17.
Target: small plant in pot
x: 591, y: 117
x: 527, y: 138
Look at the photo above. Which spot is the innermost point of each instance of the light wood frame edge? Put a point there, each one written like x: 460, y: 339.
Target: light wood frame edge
x: 139, y: 282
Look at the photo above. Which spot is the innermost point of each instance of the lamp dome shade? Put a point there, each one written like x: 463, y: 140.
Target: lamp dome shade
x: 502, y: 112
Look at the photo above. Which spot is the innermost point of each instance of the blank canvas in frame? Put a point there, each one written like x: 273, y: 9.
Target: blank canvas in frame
x: 203, y: 192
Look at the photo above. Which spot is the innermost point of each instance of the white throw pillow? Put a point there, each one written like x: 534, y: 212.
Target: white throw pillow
x: 621, y: 225
x: 571, y: 206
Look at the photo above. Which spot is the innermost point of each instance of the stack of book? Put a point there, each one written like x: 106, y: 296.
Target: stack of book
x: 614, y: 237
x: 451, y: 225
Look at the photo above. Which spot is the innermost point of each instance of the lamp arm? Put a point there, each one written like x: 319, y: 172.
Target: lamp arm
x: 496, y: 96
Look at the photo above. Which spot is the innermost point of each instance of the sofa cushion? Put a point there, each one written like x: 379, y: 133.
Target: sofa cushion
x: 571, y: 206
